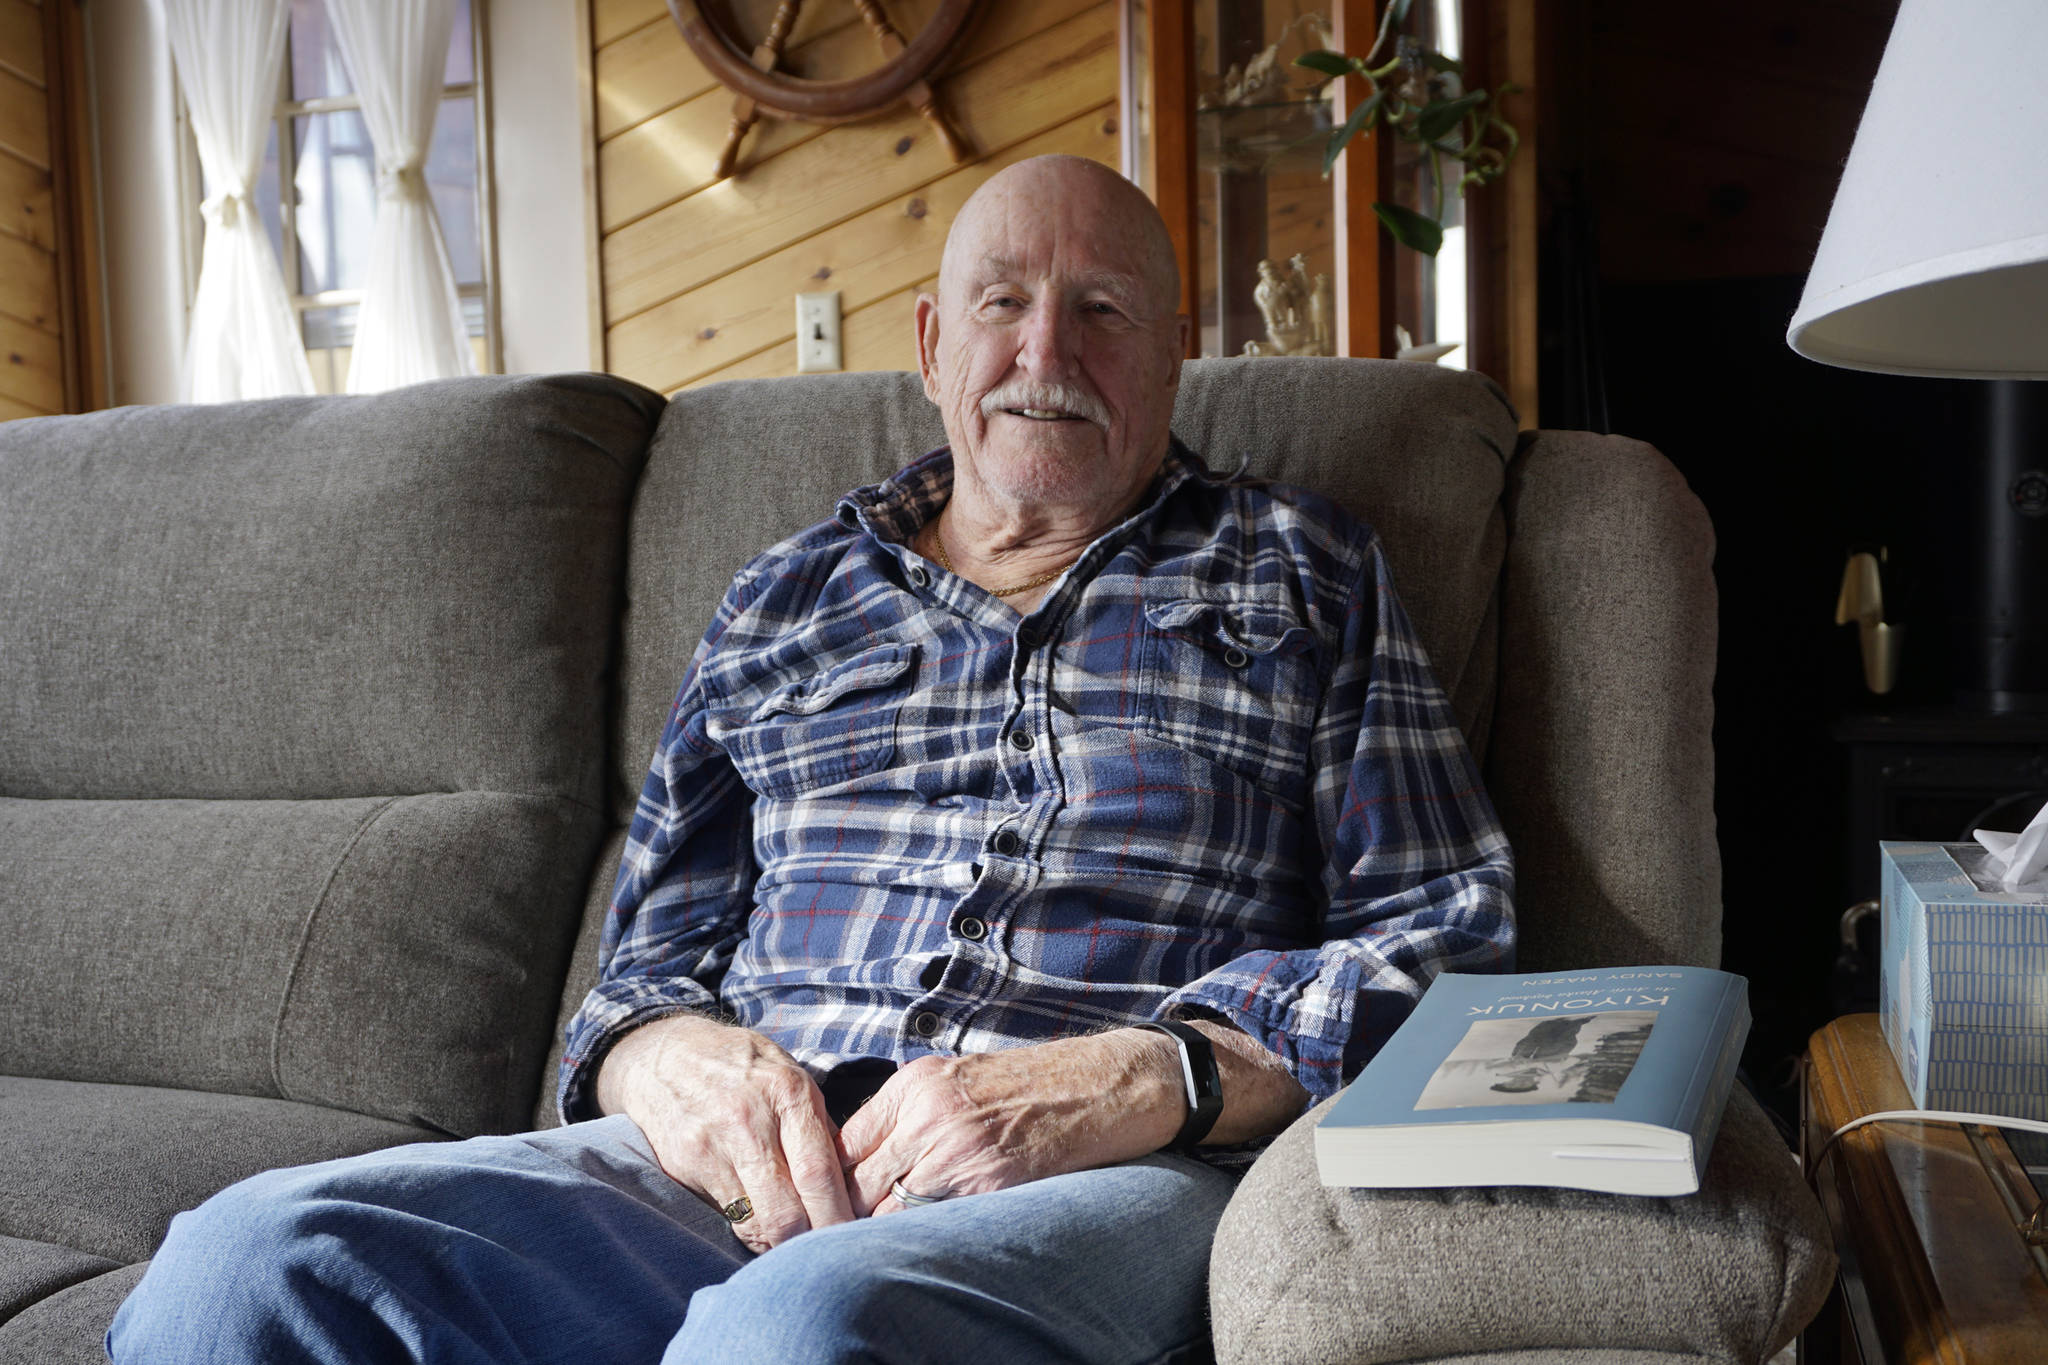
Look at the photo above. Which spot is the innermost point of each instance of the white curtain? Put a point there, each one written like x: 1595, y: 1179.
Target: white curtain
x: 244, y: 340
x: 410, y: 327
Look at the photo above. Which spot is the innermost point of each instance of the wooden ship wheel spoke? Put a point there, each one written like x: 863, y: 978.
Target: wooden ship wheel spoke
x: 750, y: 73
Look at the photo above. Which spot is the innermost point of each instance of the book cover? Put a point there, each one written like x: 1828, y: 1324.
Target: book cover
x: 1611, y: 1078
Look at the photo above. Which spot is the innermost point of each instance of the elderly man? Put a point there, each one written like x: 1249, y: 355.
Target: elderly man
x: 1027, y: 843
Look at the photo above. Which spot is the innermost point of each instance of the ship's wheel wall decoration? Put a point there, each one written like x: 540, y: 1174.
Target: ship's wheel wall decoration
x: 761, y: 89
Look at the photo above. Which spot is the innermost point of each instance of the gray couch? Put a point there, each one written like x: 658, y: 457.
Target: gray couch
x: 319, y: 721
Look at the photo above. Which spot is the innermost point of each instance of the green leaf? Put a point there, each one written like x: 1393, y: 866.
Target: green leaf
x: 1400, y: 8
x: 1440, y: 116
x: 1327, y: 62
x: 1410, y: 228
x: 1437, y: 61
x: 1360, y: 116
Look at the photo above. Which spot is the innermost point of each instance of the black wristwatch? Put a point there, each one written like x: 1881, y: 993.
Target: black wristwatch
x: 1204, y: 1082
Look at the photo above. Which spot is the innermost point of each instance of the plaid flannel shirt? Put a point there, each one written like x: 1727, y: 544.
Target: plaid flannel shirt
x: 1210, y: 775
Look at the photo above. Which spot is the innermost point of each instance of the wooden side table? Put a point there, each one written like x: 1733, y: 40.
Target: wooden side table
x: 1926, y: 1218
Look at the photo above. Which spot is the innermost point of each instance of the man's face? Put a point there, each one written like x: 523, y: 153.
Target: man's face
x: 1053, y: 349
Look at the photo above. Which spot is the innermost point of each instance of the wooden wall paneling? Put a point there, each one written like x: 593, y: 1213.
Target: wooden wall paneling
x: 32, y: 361
x: 24, y: 119
x: 880, y: 336
x: 25, y: 201
x: 871, y: 255
x: 1009, y: 97
x: 611, y: 20
x: 31, y: 366
x: 1722, y: 170
x: 21, y: 39
x: 671, y: 156
x: 28, y: 283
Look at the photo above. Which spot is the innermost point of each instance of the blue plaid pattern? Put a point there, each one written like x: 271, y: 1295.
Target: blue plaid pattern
x: 1210, y: 775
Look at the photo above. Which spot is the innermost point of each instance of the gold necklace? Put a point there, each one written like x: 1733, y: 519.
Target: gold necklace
x: 946, y: 562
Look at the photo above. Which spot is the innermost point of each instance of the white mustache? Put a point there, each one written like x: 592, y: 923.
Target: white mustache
x: 1055, y: 397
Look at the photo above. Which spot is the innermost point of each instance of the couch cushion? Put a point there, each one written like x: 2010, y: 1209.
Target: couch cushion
x: 35, y: 1270
x: 1417, y: 450
x: 316, y: 597
x: 69, y: 1327
x: 102, y: 1168
x: 400, y: 956
x: 1302, y: 1273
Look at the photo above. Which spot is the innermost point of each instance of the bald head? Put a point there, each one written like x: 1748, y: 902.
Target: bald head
x: 1053, y: 347
x: 1076, y: 194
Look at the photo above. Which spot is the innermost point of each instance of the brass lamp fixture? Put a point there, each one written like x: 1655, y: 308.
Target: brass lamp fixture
x: 1862, y: 601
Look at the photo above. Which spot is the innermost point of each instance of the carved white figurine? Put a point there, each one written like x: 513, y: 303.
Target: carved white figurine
x: 1322, y: 316
x: 1302, y: 294
x: 1290, y: 305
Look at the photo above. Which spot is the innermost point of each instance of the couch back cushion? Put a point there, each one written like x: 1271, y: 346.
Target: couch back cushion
x: 1416, y: 450
x: 314, y: 597
x: 302, y: 734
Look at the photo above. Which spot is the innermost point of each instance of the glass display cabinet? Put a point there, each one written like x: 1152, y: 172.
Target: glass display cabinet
x: 1229, y: 138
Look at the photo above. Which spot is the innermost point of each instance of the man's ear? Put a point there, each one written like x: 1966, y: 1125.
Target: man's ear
x: 1182, y: 329
x: 927, y: 315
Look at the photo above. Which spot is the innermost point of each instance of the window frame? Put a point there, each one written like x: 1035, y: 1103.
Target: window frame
x: 283, y: 111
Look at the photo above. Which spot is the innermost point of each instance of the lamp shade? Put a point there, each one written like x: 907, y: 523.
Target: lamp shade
x: 1935, y: 257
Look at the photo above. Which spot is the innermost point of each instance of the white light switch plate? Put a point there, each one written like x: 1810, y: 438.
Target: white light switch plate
x: 817, y: 333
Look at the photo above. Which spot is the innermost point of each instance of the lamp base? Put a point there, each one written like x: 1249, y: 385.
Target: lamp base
x: 2004, y: 703
x: 2004, y: 633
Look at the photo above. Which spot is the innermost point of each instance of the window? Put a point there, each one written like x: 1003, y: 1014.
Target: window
x: 318, y: 188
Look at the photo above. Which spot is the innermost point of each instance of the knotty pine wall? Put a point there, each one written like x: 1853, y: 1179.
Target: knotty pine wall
x: 31, y: 330
x: 698, y: 280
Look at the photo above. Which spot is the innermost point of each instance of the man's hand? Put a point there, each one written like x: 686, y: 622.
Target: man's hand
x: 964, y: 1125
x: 729, y: 1114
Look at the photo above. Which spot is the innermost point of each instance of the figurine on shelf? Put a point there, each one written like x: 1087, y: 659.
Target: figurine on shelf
x: 1322, y: 315
x: 1297, y: 313
x: 1265, y: 78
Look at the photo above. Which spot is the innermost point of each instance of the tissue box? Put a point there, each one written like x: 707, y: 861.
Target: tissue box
x: 1965, y: 982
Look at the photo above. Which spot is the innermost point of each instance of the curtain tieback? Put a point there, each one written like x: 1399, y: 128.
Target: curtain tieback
x: 228, y: 208
x: 405, y: 181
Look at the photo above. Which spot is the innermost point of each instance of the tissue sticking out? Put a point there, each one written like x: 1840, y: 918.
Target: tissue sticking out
x: 2021, y: 860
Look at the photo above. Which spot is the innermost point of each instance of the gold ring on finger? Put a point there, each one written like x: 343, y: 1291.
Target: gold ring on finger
x: 739, y: 1210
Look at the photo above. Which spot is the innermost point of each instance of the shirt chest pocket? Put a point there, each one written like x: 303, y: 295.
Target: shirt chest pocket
x: 1237, y: 683
x: 831, y: 727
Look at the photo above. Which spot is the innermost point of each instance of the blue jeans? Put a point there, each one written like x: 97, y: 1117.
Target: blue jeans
x: 571, y: 1245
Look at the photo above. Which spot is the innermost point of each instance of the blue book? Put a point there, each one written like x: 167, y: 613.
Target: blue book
x: 1612, y: 1078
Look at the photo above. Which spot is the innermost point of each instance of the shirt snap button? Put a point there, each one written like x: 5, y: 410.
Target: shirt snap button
x: 972, y: 928
x: 1006, y: 842
x: 1020, y: 739
x: 926, y: 1025
x: 1236, y: 658
x: 918, y: 577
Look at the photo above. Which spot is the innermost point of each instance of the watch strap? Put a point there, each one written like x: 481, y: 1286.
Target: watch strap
x: 1203, y: 1082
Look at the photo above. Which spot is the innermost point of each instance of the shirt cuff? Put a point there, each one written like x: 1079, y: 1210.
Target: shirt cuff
x: 611, y: 1011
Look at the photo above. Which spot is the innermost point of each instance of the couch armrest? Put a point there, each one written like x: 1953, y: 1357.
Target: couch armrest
x: 1303, y: 1272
